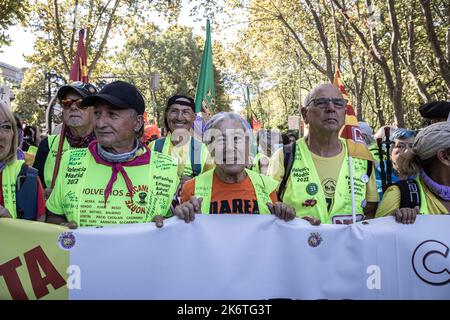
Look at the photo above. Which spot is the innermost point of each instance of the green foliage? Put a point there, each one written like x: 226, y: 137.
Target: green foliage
x: 174, y: 54
x: 31, y: 99
x: 283, y: 47
x: 12, y: 12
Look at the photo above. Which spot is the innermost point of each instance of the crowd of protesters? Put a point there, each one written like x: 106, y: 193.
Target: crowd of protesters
x: 108, y: 166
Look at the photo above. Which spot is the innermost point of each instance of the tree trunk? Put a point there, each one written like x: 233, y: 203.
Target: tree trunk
x: 105, y: 38
x: 323, y: 40
x: 376, y: 94
x: 394, y: 88
x: 444, y: 66
x: 394, y: 48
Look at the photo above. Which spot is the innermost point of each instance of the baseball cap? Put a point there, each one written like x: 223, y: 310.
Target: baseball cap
x: 118, y: 94
x: 84, y: 89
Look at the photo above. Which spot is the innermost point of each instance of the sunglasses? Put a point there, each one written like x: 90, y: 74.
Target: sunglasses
x: 67, y: 103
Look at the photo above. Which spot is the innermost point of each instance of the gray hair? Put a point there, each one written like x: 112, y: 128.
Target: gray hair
x: 214, y: 122
x: 134, y: 114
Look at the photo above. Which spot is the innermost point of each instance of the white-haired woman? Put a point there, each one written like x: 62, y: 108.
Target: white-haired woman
x: 21, y: 194
x: 231, y: 187
x: 430, y: 161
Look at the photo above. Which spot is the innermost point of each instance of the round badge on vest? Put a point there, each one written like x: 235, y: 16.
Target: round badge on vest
x: 312, y: 188
x: 364, y: 178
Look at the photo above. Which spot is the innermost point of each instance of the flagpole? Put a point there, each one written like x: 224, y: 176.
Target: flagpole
x: 64, y: 127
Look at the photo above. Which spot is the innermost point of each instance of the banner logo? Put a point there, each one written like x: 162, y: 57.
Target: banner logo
x: 66, y: 240
x: 314, y: 240
x: 431, y: 262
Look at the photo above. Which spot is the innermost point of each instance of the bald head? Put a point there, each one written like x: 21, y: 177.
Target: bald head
x: 327, y: 90
x: 324, y: 110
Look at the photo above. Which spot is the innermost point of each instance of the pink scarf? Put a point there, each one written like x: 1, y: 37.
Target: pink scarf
x: 118, y: 167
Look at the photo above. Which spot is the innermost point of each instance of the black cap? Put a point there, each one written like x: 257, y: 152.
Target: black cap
x: 84, y: 89
x: 174, y: 100
x: 118, y: 94
x: 435, y: 110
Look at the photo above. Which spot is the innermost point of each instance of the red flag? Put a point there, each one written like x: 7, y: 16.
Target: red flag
x: 77, y: 73
x: 351, y: 132
x: 255, y: 124
x: 79, y: 67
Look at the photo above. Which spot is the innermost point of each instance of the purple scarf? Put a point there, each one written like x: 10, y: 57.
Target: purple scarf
x: 79, y: 142
x: 2, y: 165
x: 439, y: 190
x: 118, y: 167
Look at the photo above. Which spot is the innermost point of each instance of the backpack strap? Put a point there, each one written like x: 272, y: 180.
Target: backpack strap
x: 26, y: 193
x: 159, y: 144
x: 409, y: 193
x: 289, y: 156
x: 369, y: 168
x: 195, y: 154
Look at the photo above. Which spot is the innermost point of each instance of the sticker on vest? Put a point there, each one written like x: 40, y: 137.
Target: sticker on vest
x: 312, y: 188
x: 364, y: 178
x: 329, y: 187
x: 310, y: 203
x: 138, y: 204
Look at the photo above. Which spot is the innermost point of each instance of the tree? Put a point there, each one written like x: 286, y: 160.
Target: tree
x: 56, y: 24
x: 31, y: 99
x: 12, y: 12
x: 389, y: 64
x: 174, y: 54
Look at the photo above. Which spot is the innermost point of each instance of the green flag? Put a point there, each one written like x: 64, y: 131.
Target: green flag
x: 248, y: 105
x: 205, y: 98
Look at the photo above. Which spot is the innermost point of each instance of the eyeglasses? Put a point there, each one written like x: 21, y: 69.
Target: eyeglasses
x: 67, y: 103
x: 324, y: 102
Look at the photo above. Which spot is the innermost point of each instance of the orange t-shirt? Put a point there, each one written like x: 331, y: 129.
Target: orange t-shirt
x: 228, y: 197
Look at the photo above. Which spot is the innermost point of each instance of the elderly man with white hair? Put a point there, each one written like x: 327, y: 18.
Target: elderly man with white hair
x: 430, y: 160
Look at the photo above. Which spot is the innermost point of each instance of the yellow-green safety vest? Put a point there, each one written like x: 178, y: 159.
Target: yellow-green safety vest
x: 9, y: 180
x: 187, y: 171
x: 79, y: 190
x: 32, y: 150
x: 423, y: 199
x: 263, y: 186
x: 304, y: 187
x: 258, y: 157
x: 53, y: 143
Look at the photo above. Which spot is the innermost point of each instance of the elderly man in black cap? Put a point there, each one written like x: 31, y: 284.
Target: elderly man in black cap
x: 116, y: 180
x: 193, y: 156
x: 436, y: 111
x: 79, y: 120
